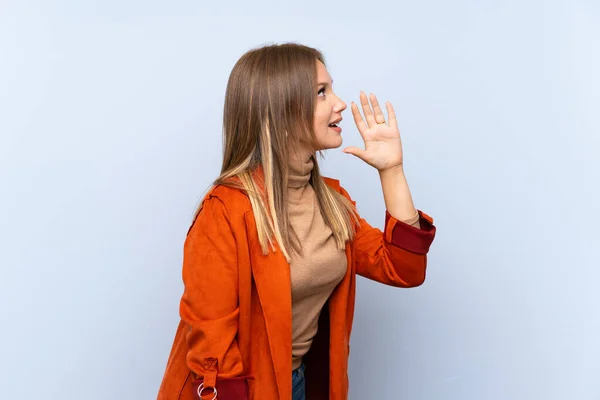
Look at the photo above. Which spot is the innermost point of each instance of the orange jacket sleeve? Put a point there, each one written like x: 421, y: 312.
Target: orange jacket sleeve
x: 209, y: 304
x: 398, y: 255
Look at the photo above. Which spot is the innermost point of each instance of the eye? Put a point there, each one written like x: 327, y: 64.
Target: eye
x: 321, y: 92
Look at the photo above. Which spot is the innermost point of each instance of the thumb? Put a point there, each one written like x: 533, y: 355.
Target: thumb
x: 355, y: 151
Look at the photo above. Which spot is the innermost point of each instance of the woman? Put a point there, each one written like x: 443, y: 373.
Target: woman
x: 270, y: 262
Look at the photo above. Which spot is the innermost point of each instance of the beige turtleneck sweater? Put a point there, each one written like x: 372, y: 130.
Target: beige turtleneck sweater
x: 321, y: 266
x: 319, y: 269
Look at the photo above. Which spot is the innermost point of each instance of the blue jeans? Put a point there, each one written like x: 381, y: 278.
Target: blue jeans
x: 298, y: 383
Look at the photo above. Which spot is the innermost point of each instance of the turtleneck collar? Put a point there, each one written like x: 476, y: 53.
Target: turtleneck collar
x: 300, y: 168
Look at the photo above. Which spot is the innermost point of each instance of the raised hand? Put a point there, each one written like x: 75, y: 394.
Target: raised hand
x: 383, y: 147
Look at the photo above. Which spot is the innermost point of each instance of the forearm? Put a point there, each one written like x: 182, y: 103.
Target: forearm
x: 396, y: 193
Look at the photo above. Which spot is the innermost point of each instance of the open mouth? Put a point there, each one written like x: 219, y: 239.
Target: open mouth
x: 333, y: 125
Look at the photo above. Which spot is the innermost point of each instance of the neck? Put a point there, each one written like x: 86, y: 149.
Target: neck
x: 300, y: 167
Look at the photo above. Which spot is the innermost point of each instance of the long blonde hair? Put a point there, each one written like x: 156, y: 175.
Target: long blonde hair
x: 268, y: 113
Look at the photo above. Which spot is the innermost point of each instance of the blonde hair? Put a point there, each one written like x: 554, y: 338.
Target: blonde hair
x: 268, y: 113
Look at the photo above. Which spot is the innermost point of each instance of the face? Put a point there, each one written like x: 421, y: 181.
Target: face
x: 328, y: 111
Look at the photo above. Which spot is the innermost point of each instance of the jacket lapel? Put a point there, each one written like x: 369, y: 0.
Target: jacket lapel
x: 271, y: 274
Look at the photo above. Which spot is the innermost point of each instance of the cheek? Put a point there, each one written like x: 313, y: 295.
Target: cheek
x: 323, y: 113
x: 321, y: 119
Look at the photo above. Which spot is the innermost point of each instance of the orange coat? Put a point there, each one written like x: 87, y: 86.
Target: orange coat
x: 236, y: 311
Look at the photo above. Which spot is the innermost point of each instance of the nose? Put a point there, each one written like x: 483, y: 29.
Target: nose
x: 340, y: 105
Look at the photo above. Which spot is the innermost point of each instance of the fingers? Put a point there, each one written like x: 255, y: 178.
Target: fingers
x: 391, y: 114
x: 358, y: 119
x: 364, y: 101
x: 379, y: 117
x: 355, y: 151
x: 373, y: 115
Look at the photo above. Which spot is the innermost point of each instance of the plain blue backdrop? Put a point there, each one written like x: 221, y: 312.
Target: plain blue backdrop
x: 110, y: 132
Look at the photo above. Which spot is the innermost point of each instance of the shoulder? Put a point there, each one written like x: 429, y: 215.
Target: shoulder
x: 335, y: 185
x: 235, y: 201
x: 222, y: 206
x: 231, y: 198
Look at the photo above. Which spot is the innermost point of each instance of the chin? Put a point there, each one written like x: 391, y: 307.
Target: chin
x: 331, y: 143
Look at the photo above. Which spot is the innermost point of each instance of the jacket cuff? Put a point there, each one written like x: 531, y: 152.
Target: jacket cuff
x: 408, y: 237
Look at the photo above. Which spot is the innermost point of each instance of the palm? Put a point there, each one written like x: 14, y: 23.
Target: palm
x: 383, y: 147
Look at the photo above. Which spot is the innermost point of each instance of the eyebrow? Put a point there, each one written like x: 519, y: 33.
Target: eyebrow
x: 325, y: 83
